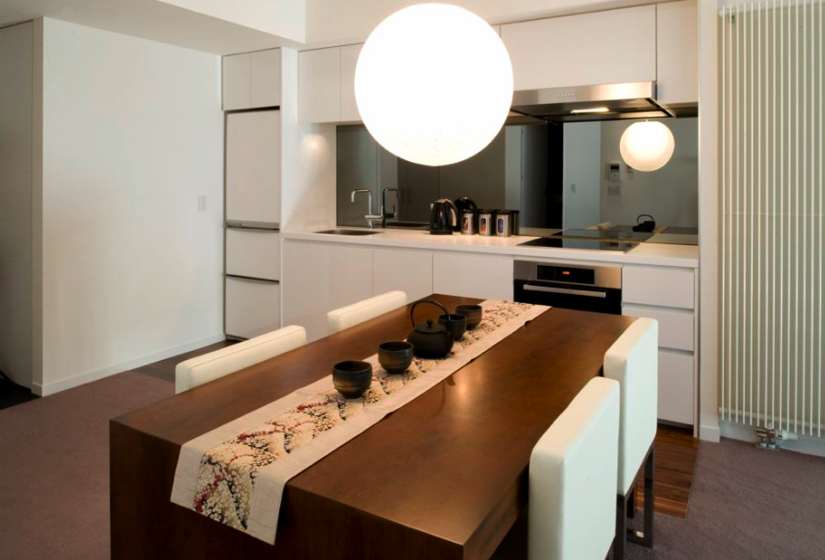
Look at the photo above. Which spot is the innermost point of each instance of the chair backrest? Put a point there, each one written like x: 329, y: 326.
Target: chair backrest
x: 351, y: 315
x: 220, y: 363
x: 572, y: 507
x: 633, y: 361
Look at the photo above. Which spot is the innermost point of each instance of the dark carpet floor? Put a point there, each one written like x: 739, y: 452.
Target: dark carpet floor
x: 746, y: 504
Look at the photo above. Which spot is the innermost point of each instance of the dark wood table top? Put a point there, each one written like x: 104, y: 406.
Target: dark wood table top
x: 444, y: 477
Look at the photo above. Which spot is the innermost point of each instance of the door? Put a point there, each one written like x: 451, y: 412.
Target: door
x: 408, y: 270
x: 253, y: 190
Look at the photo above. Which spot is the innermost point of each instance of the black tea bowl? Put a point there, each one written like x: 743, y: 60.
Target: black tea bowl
x: 395, y: 356
x: 456, y: 324
x: 473, y: 314
x: 352, y: 378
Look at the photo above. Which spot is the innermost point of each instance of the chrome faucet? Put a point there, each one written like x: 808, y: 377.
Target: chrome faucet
x: 370, y: 217
x: 384, y: 214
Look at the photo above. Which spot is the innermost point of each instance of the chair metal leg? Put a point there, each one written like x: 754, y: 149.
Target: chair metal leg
x: 621, y: 528
x: 631, y: 503
x: 646, y: 539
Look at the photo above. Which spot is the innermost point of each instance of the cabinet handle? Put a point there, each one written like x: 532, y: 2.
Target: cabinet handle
x: 585, y: 293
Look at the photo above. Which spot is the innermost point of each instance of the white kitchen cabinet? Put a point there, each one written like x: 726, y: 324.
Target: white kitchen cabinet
x: 253, y: 191
x: 658, y: 286
x: 676, y: 327
x: 254, y: 253
x: 237, y: 82
x: 319, y: 85
x: 266, y: 78
x: 677, y: 40
x: 349, y: 59
x: 252, y: 307
x: 252, y: 80
x: 320, y: 277
x: 473, y: 275
x: 676, y: 387
x: 607, y: 47
x: 408, y: 270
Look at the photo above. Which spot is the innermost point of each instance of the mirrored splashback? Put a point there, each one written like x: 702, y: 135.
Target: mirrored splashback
x: 567, y: 176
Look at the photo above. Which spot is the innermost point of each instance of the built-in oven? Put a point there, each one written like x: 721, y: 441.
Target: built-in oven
x: 571, y: 286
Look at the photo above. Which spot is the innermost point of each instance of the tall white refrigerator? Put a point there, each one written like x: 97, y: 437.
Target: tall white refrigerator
x: 253, y: 217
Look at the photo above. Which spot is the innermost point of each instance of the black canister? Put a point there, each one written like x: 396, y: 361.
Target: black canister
x: 515, y: 224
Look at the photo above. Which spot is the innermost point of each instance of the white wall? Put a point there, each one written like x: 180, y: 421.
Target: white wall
x: 285, y: 18
x: 16, y: 71
x: 132, y: 135
x: 670, y: 194
x: 582, y: 180
x: 708, y: 219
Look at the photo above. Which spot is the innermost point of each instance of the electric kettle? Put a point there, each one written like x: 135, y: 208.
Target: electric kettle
x: 443, y: 217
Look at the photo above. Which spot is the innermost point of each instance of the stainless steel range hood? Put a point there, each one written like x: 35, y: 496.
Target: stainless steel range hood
x: 635, y: 100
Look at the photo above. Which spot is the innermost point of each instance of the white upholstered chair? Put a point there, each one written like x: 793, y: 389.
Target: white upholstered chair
x: 572, y: 504
x: 633, y: 361
x: 351, y: 315
x: 220, y: 363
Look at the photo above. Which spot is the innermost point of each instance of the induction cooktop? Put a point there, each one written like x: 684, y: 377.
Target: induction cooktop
x: 607, y: 235
x: 571, y: 243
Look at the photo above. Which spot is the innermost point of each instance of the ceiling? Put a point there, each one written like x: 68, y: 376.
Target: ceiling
x: 154, y: 20
x: 233, y: 26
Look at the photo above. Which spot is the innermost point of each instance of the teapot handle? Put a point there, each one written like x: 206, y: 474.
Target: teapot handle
x: 412, y: 311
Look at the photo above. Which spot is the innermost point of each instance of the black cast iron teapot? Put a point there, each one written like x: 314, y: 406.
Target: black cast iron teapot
x: 431, y: 340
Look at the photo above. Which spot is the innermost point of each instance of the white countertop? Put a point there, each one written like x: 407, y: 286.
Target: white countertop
x: 685, y: 256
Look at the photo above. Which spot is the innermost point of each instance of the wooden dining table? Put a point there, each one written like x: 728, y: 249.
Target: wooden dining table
x: 444, y: 477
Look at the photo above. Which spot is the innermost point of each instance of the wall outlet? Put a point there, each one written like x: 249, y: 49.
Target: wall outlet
x: 201, y: 203
x: 614, y: 189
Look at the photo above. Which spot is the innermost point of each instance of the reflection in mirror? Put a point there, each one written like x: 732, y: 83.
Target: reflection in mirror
x: 567, y: 176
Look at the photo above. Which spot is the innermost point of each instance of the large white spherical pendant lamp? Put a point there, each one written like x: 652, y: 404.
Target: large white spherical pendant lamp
x: 434, y: 84
x: 647, y: 146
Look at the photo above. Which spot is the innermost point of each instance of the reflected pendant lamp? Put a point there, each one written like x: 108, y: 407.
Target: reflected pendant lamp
x: 647, y: 146
x: 434, y: 84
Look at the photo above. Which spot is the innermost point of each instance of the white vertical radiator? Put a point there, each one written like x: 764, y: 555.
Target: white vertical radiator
x: 771, y: 235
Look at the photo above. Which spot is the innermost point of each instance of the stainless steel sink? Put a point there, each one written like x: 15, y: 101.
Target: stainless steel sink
x: 406, y: 225
x: 339, y: 231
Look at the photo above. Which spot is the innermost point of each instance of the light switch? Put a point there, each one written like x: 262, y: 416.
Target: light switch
x: 201, y: 203
x: 614, y: 173
x: 572, y: 187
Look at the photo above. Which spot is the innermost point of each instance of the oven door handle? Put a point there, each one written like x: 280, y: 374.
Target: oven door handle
x: 567, y: 291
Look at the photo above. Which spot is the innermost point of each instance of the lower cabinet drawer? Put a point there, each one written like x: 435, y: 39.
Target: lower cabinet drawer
x: 661, y: 286
x: 253, y: 307
x: 675, y: 387
x: 253, y: 253
x: 675, y: 328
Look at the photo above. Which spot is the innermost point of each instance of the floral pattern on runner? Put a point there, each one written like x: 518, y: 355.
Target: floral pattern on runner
x: 227, y: 473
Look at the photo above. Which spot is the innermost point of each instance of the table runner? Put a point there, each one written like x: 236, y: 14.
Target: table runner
x: 236, y: 474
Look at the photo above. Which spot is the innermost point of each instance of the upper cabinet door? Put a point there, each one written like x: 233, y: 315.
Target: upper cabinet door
x: 253, y: 190
x: 349, y: 59
x: 237, y: 82
x: 678, y: 48
x: 588, y: 49
x: 266, y: 78
x: 319, y: 86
